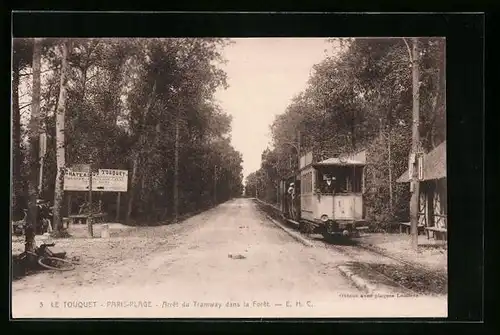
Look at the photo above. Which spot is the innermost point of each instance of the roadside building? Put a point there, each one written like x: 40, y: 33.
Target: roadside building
x: 433, y: 193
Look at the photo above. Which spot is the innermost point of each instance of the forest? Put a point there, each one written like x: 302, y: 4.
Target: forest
x: 360, y: 98
x: 142, y: 105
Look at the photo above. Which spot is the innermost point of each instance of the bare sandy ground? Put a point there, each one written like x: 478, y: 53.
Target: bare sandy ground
x: 431, y: 253
x: 227, y: 262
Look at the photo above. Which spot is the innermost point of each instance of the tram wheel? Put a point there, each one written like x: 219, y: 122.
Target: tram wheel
x: 327, y: 236
x: 301, y: 227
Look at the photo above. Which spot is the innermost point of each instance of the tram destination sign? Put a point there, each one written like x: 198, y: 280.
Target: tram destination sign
x: 104, y: 180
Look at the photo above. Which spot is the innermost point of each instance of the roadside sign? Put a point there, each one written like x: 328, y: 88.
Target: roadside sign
x: 111, y: 180
x: 43, y: 144
x: 411, y: 162
x: 420, y: 164
x: 105, y: 180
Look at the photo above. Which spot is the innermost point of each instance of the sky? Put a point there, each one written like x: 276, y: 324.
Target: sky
x: 264, y: 74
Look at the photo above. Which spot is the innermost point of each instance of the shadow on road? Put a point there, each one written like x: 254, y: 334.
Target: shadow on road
x: 19, y: 269
x: 432, y: 246
x: 413, y: 278
x: 336, y: 240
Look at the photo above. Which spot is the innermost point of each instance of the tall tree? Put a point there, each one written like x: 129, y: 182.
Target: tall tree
x: 361, y: 98
x: 109, y: 88
x: 22, y: 58
x: 34, y: 130
x: 137, y: 153
x: 60, y: 138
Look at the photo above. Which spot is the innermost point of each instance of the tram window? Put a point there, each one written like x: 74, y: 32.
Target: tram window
x: 306, y: 184
x: 357, y: 179
x: 347, y: 179
x: 321, y: 181
x: 351, y: 180
x: 309, y: 182
x: 342, y: 181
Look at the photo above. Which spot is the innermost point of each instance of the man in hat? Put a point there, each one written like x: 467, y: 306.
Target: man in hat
x: 329, y: 184
x: 291, y: 190
x: 291, y: 193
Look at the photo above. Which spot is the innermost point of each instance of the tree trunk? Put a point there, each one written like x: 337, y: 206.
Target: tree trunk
x: 133, y: 183
x: 215, y: 185
x: 176, y: 168
x: 153, y: 198
x: 60, y: 140
x: 390, y: 173
x: 136, y: 154
x: 84, y: 81
x: 439, y: 96
x: 18, y: 202
x: 415, y: 195
x: 34, y: 129
x: 442, y: 83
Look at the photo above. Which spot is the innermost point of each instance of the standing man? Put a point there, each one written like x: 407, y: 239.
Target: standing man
x: 291, y: 192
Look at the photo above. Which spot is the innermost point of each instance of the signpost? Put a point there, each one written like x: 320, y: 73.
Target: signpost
x: 118, y: 206
x: 89, y: 220
x: 105, y: 180
x: 43, y: 150
x: 80, y: 177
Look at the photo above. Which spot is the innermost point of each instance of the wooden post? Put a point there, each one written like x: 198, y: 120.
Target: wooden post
x: 89, y: 220
x: 43, y: 147
x: 118, y: 206
x: 100, y: 202
x: 68, y: 199
x: 176, y: 168
x: 390, y: 174
x: 34, y: 139
x: 415, y: 196
x: 215, y: 185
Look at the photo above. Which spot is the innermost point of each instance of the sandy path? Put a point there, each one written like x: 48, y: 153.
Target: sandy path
x: 173, y: 271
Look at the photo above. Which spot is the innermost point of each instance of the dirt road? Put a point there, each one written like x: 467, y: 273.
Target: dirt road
x: 227, y: 262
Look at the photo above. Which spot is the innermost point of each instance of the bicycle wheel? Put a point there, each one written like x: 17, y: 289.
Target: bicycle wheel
x: 54, y: 263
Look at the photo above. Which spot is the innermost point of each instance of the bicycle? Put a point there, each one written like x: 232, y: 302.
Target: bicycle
x: 45, y: 258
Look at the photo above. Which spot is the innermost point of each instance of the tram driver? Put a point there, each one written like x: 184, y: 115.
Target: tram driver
x: 329, y: 184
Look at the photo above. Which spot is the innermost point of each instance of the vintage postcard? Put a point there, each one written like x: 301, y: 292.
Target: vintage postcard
x: 229, y: 177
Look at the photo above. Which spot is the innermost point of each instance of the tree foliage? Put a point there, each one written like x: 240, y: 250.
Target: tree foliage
x: 361, y: 98
x: 123, y: 97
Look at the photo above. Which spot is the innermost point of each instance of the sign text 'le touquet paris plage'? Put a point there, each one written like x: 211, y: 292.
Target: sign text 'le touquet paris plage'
x: 105, y: 180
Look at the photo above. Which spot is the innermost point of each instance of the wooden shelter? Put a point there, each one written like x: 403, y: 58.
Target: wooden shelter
x: 433, y: 193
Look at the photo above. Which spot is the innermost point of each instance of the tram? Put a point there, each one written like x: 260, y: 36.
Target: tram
x: 326, y: 196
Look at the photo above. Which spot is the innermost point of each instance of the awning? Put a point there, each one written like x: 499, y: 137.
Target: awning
x: 434, y: 165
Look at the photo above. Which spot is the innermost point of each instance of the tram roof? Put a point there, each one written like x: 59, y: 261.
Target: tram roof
x: 335, y: 161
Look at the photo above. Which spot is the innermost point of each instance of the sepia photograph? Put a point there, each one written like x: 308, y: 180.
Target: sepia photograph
x: 269, y: 177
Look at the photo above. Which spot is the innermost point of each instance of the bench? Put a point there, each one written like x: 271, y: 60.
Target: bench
x: 438, y: 232
x: 82, y: 218
x: 407, y: 227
